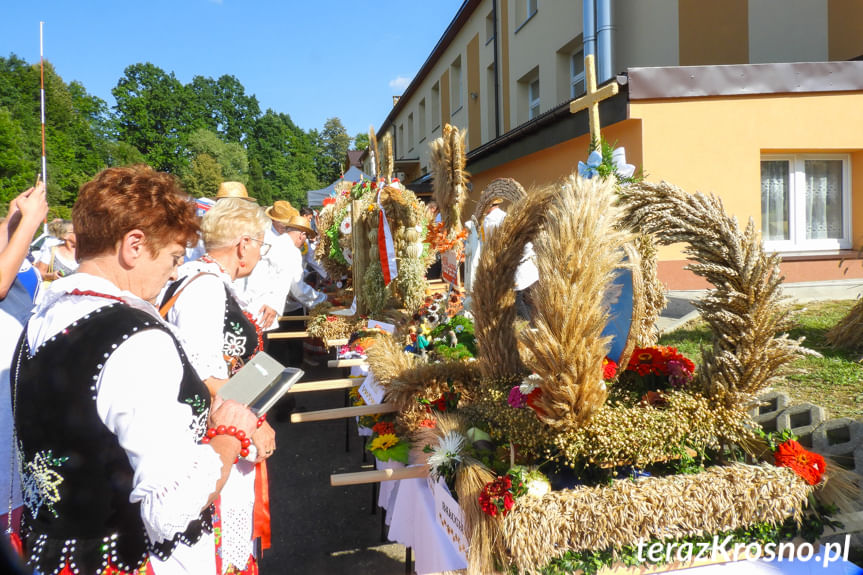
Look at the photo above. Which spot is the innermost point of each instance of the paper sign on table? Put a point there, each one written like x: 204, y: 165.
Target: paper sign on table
x: 371, y: 391
x: 387, y: 327
x: 449, y: 515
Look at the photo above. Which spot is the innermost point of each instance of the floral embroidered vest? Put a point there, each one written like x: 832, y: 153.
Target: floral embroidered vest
x: 76, y: 477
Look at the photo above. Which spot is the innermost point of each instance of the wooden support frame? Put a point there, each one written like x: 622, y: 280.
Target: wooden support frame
x: 287, y: 334
x: 295, y: 317
x: 346, y: 362
x: 342, y: 412
x: 326, y: 385
x: 378, y: 475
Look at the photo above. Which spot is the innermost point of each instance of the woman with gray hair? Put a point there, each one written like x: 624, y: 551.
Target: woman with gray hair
x: 219, y: 338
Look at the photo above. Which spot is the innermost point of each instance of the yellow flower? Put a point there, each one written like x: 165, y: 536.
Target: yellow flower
x: 383, y: 442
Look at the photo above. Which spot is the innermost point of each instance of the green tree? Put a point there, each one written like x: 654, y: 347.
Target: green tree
x: 223, y: 106
x: 155, y: 115
x: 286, y: 156
x: 334, y: 144
x: 211, y: 155
x: 203, y: 176
x: 361, y: 141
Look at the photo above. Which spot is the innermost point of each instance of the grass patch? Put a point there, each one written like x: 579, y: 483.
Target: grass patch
x: 833, y: 381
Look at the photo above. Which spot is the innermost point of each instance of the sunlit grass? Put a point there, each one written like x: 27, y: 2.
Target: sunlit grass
x: 834, y: 381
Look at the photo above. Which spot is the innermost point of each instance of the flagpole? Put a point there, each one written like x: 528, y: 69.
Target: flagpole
x: 42, y: 98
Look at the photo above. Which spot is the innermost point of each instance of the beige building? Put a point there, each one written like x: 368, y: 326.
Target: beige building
x: 506, y: 70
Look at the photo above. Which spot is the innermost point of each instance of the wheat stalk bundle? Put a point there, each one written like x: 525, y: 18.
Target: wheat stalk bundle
x: 746, y: 308
x: 447, y: 161
x: 848, y: 333
x: 388, y: 159
x: 721, y: 498
x: 578, y: 252
x: 376, y: 153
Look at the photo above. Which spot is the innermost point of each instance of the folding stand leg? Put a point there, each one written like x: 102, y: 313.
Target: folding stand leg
x: 383, y: 526
x: 347, y: 424
x: 408, y: 561
x: 374, y: 498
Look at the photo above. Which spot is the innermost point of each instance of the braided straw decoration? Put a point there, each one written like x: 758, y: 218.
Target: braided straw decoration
x: 504, y: 188
x: 745, y: 310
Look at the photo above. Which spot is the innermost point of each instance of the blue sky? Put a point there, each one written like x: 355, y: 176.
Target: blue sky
x: 310, y: 59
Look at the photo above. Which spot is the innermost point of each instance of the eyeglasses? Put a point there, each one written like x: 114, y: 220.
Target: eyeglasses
x: 265, y: 247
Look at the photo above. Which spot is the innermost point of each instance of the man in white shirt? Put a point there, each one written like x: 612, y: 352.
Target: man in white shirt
x: 266, y: 288
x: 300, y: 294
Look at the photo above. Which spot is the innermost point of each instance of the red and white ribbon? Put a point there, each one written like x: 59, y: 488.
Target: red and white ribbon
x: 386, y: 248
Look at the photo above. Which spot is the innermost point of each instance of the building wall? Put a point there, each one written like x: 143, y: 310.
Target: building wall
x: 788, y: 31
x: 845, y: 29
x: 646, y: 33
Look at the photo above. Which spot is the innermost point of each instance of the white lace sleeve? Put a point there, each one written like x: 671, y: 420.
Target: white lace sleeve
x: 199, y: 314
x: 137, y: 400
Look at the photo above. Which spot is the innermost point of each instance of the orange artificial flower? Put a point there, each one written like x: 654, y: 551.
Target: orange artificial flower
x: 810, y: 466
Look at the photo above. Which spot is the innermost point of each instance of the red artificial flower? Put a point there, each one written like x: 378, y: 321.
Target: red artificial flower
x: 384, y: 427
x: 810, y: 466
x: 429, y: 423
x: 532, y: 398
x: 645, y: 356
x: 609, y: 369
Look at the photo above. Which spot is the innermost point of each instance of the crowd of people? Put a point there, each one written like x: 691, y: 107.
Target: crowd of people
x: 122, y: 457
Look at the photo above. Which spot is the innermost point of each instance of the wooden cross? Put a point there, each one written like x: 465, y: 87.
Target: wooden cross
x: 593, y: 97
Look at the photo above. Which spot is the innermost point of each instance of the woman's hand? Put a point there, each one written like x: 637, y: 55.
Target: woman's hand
x: 265, y: 441
x: 232, y: 413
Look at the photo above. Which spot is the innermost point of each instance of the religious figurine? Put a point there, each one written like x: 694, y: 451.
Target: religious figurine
x: 453, y: 339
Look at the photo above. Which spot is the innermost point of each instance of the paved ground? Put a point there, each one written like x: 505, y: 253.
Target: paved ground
x: 319, y: 529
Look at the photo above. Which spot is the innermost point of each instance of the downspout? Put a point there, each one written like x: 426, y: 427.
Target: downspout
x: 588, y: 17
x: 604, y: 40
x: 496, y: 72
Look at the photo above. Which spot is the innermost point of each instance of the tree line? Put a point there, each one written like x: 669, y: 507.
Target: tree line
x: 204, y: 132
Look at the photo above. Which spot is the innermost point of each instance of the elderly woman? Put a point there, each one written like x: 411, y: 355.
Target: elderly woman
x: 220, y: 338
x: 59, y: 260
x: 118, y: 467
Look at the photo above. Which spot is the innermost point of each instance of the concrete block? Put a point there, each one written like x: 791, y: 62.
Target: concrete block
x: 838, y: 439
x: 802, y: 420
x: 771, y: 404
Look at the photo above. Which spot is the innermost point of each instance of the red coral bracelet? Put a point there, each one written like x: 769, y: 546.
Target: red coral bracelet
x: 262, y: 419
x: 245, y: 442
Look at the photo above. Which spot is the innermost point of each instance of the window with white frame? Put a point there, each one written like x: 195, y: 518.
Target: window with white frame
x: 576, y: 74
x: 805, y: 202
x: 533, y: 99
x: 531, y: 8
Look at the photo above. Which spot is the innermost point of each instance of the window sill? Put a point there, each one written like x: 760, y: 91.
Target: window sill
x: 489, y: 41
x: 528, y: 19
x: 456, y: 111
x: 812, y: 256
x: 421, y: 140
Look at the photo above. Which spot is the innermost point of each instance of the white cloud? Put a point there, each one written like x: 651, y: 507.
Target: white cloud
x: 400, y: 83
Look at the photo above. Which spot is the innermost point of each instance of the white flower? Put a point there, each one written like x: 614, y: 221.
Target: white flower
x: 345, y: 227
x: 447, y: 451
x: 538, y: 487
x: 349, y: 257
x: 529, y: 383
x: 459, y: 328
x: 234, y: 346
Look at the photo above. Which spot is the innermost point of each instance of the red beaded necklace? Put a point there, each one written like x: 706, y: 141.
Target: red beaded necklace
x: 76, y: 291
x: 208, y: 259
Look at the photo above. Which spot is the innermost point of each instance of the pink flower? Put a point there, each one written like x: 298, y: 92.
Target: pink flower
x: 516, y: 398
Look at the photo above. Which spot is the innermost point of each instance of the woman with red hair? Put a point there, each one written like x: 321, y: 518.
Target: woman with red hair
x: 118, y: 468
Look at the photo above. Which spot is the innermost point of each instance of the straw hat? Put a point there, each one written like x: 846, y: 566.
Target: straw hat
x: 496, y: 202
x: 300, y: 223
x: 282, y: 211
x: 233, y: 190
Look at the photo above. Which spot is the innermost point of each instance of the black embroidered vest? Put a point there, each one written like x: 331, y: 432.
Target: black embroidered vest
x: 76, y: 477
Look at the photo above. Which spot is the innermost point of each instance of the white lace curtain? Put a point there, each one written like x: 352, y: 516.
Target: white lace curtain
x: 775, y: 200
x: 823, y: 199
